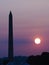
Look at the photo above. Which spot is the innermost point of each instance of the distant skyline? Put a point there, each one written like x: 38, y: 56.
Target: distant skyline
x: 30, y: 19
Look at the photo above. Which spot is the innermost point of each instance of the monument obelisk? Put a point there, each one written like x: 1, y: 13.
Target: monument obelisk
x: 10, y: 38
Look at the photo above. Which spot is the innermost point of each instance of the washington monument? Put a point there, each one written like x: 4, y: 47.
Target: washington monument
x: 10, y: 38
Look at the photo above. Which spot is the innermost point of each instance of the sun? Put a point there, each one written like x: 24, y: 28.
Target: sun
x: 37, y: 40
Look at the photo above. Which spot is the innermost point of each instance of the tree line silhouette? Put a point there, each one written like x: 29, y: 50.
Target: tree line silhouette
x: 42, y: 59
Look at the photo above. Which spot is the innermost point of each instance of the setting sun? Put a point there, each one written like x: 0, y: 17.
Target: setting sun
x: 37, y: 40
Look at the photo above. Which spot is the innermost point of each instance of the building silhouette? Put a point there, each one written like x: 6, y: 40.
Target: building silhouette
x: 10, y: 37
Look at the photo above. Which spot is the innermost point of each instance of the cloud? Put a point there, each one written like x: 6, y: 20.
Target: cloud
x: 22, y: 41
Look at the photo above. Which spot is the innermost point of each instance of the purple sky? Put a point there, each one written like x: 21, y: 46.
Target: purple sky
x: 30, y: 19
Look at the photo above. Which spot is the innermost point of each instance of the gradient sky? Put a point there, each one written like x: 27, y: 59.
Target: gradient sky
x: 30, y: 20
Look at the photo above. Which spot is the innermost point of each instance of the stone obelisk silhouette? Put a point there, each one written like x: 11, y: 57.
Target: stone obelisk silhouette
x: 10, y: 39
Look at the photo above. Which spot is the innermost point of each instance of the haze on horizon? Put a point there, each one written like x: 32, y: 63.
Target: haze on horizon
x: 30, y: 19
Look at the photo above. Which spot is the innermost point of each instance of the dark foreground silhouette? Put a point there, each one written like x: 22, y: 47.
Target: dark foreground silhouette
x: 17, y: 60
x: 42, y: 59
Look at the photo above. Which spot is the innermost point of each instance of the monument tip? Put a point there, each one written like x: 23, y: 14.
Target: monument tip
x: 10, y: 13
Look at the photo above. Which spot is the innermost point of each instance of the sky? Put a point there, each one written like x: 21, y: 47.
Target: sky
x: 30, y: 20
